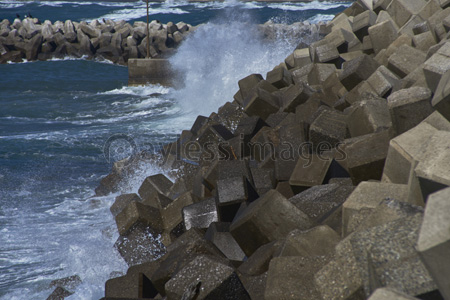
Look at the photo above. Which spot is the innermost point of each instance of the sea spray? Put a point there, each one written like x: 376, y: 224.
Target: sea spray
x: 218, y: 54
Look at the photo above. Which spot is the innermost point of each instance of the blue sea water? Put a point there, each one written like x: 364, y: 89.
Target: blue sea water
x: 56, y: 116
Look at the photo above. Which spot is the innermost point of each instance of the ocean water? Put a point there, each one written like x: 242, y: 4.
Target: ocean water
x: 56, y: 116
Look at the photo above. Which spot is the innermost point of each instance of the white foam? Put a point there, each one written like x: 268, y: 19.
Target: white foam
x: 139, y: 12
x: 300, y: 6
x: 320, y: 18
x: 143, y: 90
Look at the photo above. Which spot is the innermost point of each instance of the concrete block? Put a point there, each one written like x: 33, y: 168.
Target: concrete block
x: 368, y: 116
x: 438, y: 121
x: 247, y: 84
x: 383, y: 81
x: 261, y: 103
x: 142, y: 71
x: 154, y: 183
x: 402, y: 10
x: 292, y: 277
x: 409, y: 26
x: 208, y: 278
x: 301, y: 57
x: 344, y: 39
x: 357, y: 70
x: 323, y: 203
x: 362, y: 22
x: 136, y: 212
x: 409, y: 107
x: 122, y: 201
x: 436, y: 23
x: 219, y: 235
x: 441, y: 98
x: 382, y: 256
x: 364, y: 199
x: 382, y: 35
x: 326, y: 53
x: 293, y: 96
x: 404, y: 153
x: 405, y: 60
x: 263, y: 180
x: 260, y: 222
x: 389, y: 294
x: 434, y: 242
x: 309, y: 171
x: 319, y: 73
x: 432, y: 170
x: 254, y: 285
x: 434, y: 68
x: 171, y: 214
x: 365, y: 156
x: 279, y: 77
x: 157, y: 200
x: 318, y: 241
x: 329, y: 127
x: 200, y: 215
x: 284, y: 188
x: 424, y: 41
x: 135, y: 284
x: 258, y: 263
x: 139, y: 245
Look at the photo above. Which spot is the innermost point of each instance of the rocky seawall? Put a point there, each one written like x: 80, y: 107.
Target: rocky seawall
x: 114, y: 41
x: 328, y: 178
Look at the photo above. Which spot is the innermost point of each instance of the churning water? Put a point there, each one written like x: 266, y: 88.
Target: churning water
x: 55, y: 117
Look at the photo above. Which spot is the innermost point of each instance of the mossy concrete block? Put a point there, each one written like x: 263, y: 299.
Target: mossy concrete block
x: 269, y: 218
x: 434, y: 241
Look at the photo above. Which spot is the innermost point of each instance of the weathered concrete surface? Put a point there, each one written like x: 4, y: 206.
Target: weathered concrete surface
x: 143, y: 71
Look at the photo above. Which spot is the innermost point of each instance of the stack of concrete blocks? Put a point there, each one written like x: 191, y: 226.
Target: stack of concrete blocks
x: 332, y: 182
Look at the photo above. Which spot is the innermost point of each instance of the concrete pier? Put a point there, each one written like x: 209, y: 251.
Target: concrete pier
x: 143, y: 71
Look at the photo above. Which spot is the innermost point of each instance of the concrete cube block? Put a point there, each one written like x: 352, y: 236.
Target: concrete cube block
x: 263, y: 180
x: 402, y: 10
x: 405, y: 60
x: 319, y: 73
x: 383, y: 81
x: 247, y: 84
x: 309, y: 171
x: 424, y: 41
x: 293, y: 96
x: 382, y: 35
x: 269, y: 218
x: 368, y: 116
x: 343, y: 39
x: 365, y: 198
x: 139, y: 245
x: 357, y: 70
x: 381, y: 256
x: 434, y: 242
x: 441, y: 98
x: 409, y: 107
x: 434, y: 68
x: 136, y: 212
x: 122, y: 201
x: 301, y: 57
x: 219, y: 235
x: 157, y: 200
x: 318, y: 241
x: 323, y: 203
x: 365, y: 156
x: 279, y: 77
x: 171, y: 214
x: 389, y: 294
x: 329, y: 127
x: 432, y: 170
x: 154, y: 183
x: 326, y: 53
x: 261, y: 103
x: 254, y: 285
x: 201, y: 214
x: 292, y: 277
x: 206, y: 278
x: 362, y: 22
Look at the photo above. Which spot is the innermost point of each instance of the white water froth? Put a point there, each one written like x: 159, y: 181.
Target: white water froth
x: 216, y: 56
x: 320, y: 18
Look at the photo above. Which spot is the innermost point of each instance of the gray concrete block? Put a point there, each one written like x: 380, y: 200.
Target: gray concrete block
x: 219, y: 235
x: 382, y: 35
x: 279, y: 77
x: 368, y: 116
x: 435, y: 67
x: 154, y: 183
x: 364, y: 199
x: 389, y: 294
x: 247, y: 84
x: 405, y: 60
x: 402, y: 10
x: 434, y: 242
x: 362, y: 22
x: 424, y: 41
x: 329, y: 127
x: 293, y: 96
x: 122, y: 201
x: 409, y: 107
x: 136, y: 212
x: 441, y: 98
x: 357, y: 70
x: 309, y: 171
x: 200, y: 215
x: 211, y: 279
x: 261, y: 103
x: 269, y: 218
x: 171, y: 214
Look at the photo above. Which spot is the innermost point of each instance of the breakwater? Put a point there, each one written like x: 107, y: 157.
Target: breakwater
x: 326, y: 178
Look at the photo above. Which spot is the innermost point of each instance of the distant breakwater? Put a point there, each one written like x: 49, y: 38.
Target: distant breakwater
x: 115, y: 41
